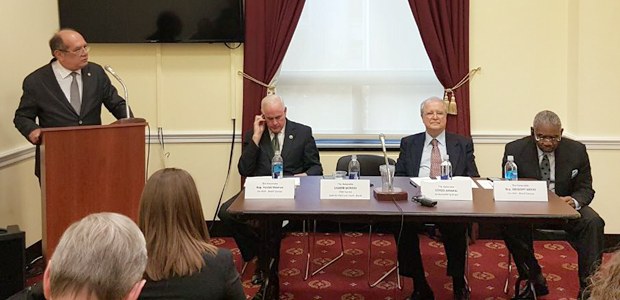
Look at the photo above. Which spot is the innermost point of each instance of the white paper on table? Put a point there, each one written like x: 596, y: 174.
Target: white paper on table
x: 418, y: 180
x: 473, y: 183
x: 297, y: 180
x: 485, y: 184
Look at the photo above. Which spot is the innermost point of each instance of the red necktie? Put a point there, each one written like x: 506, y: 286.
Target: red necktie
x: 435, y: 160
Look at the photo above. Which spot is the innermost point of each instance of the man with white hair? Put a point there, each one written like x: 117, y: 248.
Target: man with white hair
x: 420, y: 156
x: 102, y: 256
x: 272, y: 132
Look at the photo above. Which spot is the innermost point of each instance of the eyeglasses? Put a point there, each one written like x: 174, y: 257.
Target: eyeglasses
x: 547, y: 138
x: 80, y: 51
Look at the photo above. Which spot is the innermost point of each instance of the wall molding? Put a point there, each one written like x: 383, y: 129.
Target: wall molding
x: 16, y: 155
x: 21, y: 153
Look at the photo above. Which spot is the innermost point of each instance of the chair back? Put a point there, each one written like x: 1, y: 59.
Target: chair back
x: 369, y: 164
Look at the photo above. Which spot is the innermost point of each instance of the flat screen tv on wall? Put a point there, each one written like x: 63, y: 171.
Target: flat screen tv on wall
x: 154, y: 21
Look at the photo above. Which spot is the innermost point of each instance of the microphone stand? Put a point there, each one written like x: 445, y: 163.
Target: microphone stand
x: 393, y: 193
x: 118, y: 78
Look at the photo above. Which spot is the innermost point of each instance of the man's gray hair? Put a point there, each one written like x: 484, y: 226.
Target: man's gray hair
x: 270, y: 100
x: 431, y: 99
x: 103, y: 254
x: 547, y: 117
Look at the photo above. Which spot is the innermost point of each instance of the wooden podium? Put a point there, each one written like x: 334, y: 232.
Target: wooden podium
x: 88, y: 169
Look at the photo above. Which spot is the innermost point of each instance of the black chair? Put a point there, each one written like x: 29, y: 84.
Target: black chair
x: 369, y: 164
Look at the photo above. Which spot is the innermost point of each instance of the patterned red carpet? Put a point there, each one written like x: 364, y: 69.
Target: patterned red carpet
x: 347, y: 279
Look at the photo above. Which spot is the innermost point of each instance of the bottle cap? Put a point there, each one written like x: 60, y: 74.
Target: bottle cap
x: 354, y: 157
x: 510, y: 158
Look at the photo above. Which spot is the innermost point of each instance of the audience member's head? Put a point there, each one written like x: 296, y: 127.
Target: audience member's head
x: 102, y: 256
x: 274, y: 111
x: 605, y: 283
x: 547, y: 130
x: 434, y: 115
x: 173, y: 224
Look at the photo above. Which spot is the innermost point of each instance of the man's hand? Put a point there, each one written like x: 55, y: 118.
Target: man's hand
x: 259, y: 128
x: 34, y: 136
x: 568, y: 200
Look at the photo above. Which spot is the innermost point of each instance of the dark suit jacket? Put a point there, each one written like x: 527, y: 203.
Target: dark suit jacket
x: 460, y: 149
x: 299, y: 153
x: 43, y: 98
x: 573, y: 176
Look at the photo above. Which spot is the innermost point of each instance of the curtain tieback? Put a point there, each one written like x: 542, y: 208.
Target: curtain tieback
x: 448, y: 95
x: 270, y: 88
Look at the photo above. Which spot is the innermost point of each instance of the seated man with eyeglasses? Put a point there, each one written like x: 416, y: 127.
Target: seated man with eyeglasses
x: 564, y: 164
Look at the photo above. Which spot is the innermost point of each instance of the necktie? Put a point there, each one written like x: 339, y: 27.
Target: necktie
x: 545, y: 169
x: 435, y: 160
x: 74, y: 95
x: 275, y: 143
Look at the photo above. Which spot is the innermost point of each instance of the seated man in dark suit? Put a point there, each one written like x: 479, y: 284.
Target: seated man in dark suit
x: 564, y: 164
x: 272, y: 132
x: 420, y: 156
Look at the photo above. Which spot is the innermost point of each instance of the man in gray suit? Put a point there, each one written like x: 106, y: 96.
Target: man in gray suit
x: 420, y: 156
x: 564, y: 164
x: 68, y: 91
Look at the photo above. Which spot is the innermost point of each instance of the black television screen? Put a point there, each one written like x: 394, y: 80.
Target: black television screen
x: 154, y: 21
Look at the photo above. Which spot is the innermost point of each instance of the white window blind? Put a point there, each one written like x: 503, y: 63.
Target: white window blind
x: 356, y: 68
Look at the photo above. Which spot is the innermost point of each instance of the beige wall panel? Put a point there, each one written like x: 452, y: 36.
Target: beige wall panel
x: 20, y: 199
x: 521, y: 48
x: 196, y: 93
x: 25, y: 27
x: 599, y: 62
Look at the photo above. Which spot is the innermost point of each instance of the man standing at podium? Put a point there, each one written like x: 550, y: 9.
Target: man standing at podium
x: 68, y: 91
x: 420, y: 156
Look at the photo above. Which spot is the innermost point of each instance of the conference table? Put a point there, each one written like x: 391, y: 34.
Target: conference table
x: 483, y: 208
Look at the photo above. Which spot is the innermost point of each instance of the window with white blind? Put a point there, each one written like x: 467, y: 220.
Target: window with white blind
x: 356, y: 68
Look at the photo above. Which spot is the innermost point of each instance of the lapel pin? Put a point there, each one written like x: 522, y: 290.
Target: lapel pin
x: 88, y: 74
x: 290, y: 137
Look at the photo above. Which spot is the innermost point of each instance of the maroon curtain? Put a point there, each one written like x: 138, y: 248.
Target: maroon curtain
x: 269, y: 27
x: 444, y: 28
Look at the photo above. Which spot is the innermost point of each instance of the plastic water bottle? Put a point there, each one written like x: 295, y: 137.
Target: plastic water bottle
x: 354, y: 168
x: 277, y: 166
x: 446, y: 168
x: 510, y: 169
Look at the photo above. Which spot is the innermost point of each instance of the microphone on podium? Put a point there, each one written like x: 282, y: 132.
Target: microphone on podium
x: 111, y: 71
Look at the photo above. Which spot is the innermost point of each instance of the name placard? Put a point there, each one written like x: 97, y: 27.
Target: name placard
x: 268, y: 188
x: 454, y: 189
x: 334, y: 189
x: 504, y: 190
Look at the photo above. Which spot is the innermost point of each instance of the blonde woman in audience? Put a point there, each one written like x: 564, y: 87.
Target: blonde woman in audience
x: 182, y: 263
x: 605, y: 283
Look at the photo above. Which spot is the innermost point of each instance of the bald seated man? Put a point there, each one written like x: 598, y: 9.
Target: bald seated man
x: 272, y: 131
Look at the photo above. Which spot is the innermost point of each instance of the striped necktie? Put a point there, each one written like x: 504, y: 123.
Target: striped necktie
x: 435, y: 160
